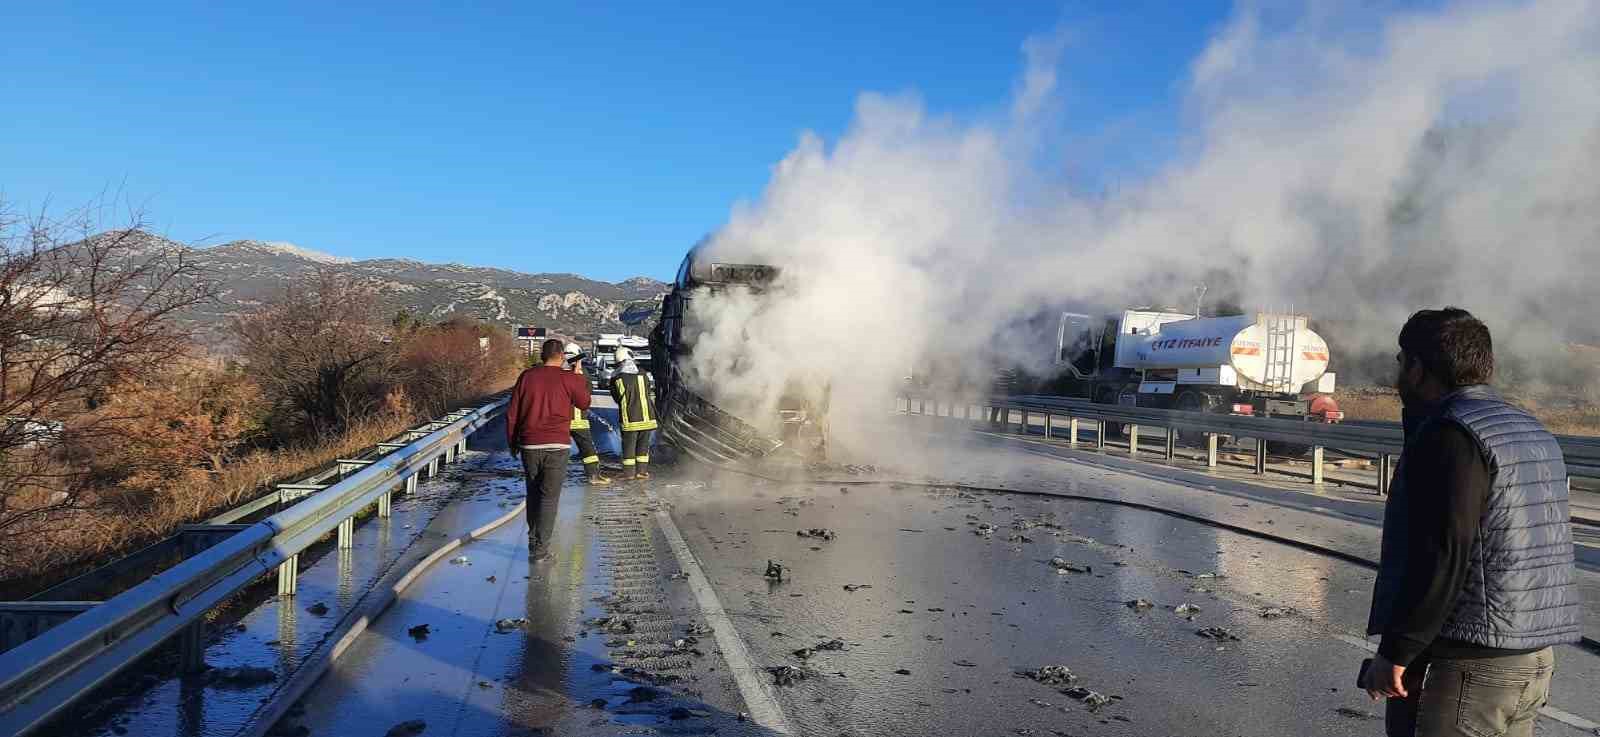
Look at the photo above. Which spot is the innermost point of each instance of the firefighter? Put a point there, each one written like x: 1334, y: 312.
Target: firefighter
x: 633, y: 392
x: 581, y: 436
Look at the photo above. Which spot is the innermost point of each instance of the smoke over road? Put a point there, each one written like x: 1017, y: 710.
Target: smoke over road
x: 1357, y: 168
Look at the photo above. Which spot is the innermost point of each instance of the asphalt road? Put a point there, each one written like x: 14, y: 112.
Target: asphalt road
x: 915, y: 615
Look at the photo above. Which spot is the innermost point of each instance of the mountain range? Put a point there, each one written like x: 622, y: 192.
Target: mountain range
x: 249, y: 272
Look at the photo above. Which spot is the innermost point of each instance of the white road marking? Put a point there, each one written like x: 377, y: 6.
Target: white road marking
x: 763, y: 705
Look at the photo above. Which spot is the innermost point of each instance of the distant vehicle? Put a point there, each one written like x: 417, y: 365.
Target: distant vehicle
x: 1262, y: 364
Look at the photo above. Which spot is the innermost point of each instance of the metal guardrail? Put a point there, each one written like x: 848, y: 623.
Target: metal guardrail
x: 1582, y: 454
x: 92, y: 641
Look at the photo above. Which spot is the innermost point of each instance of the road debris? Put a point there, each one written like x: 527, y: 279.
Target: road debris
x: 1049, y: 675
x: 774, y: 571
x: 1186, y: 610
x: 821, y: 533
x: 984, y: 530
x: 608, y: 625
x: 1093, y: 700
x: 410, y: 728
x: 854, y: 587
x: 244, y: 676
x: 1140, y: 604
x: 1062, y: 565
x: 1019, y: 539
x: 902, y: 672
x: 1349, y: 713
x: 788, y: 675
x: 419, y: 632
x: 1273, y: 612
x: 965, y: 663
x: 318, y: 608
x: 509, y: 624
x: 698, y: 629
x: 461, y: 560
x: 1217, y: 633
x: 679, y: 576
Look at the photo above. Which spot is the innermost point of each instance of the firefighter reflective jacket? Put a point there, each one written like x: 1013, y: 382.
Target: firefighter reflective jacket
x: 635, y: 401
x: 579, y: 421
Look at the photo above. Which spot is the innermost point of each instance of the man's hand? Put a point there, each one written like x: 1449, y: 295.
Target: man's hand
x: 1385, y: 679
x: 577, y: 368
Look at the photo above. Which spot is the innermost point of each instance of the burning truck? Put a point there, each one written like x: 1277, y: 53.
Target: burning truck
x: 694, y: 417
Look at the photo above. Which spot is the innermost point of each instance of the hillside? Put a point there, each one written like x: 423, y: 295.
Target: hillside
x: 250, y: 271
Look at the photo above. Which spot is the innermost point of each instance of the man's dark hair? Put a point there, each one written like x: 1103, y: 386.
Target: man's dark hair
x: 551, y: 350
x: 1452, y: 345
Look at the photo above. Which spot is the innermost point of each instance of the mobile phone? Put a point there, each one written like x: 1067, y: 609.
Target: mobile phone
x: 1361, y: 678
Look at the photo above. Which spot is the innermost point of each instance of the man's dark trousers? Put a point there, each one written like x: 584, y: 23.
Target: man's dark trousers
x: 544, y: 471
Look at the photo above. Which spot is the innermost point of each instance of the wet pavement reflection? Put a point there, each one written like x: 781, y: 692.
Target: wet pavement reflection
x: 941, y: 597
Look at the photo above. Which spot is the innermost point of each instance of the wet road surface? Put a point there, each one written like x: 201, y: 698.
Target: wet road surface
x: 480, y: 669
x: 943, y: 612
x: 911, y: 614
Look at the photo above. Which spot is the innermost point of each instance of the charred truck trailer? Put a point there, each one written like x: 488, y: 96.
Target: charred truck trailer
x: 1263, y: 364
x: 690, y: 416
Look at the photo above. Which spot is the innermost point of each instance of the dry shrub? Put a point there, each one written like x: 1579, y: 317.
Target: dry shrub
x: 116, y: 520
x: 446, y: 363
x: 1562, y: 415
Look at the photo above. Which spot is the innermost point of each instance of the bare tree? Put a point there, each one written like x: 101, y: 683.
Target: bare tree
x: 320, y: 352
x: 80, y: 314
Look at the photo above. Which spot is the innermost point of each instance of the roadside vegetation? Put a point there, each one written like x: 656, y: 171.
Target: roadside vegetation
x: 117, y: 423
x: 1563, y: 415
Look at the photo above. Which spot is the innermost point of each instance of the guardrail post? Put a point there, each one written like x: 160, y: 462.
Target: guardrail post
x: 385, y: 504
x: 1171, y: 450
x: 922, y: 406
x: 21, y: 621
x: 433, y: 467
x: 1072, y: 430
x: 1316, y: 465
x: 347, y: 532
x: 411, y: 484
x: 1023, y: 428
x: 1099, y: 434
x: 289, y: 575
x: 1133, y: 441
x: 192, y: 647
x: 450, y: 453
x: 1049, y: 421
x: 1261, y: 457
x: 1383, y: 474
x: 1211, y: 450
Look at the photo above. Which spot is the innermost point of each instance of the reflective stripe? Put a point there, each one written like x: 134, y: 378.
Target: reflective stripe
x: 644, y: 459
x: 579, y: 422
x: 590, y: 459
x: 644, y: 402
x: 627, y: 461
x: 639, y: 426
x: 622, y: 402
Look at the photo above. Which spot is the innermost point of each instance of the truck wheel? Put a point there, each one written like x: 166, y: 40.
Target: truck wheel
x: 1108, y: 395
x: 1190, y: 401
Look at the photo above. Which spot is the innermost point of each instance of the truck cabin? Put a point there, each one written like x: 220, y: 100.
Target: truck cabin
x: 697, y: 273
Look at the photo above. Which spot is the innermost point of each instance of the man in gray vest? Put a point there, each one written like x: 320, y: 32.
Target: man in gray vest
x: 1475, y: 584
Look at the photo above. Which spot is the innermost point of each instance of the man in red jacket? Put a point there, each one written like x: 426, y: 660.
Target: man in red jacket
x: 537, y: 422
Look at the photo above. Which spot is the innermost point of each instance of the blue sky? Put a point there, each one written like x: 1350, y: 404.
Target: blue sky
x: 603, y: 139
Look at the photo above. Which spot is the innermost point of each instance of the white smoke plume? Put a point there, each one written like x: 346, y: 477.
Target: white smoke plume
x: 1357, y: 168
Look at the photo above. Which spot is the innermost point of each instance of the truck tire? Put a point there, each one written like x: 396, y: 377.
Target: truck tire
x: 1108, y: 395
x: 1190, y: 400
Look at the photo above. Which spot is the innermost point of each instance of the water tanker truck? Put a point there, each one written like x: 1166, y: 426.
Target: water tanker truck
x: 1262, y: 364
